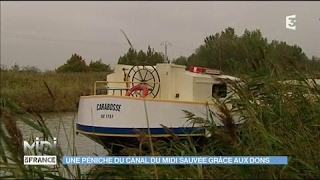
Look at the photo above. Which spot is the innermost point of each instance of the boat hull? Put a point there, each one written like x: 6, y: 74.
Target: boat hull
x: 111, y: 120
x: 115, y: 144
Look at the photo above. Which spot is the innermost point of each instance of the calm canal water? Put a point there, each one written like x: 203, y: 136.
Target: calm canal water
x: 84, y: 146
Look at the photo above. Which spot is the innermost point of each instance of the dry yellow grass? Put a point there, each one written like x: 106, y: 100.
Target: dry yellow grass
x: 28, y: 89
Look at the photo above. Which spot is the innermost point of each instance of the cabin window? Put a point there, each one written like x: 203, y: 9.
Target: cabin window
x: 219, y: 90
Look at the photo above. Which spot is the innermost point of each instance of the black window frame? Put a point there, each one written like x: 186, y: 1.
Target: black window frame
x: 219, y: 90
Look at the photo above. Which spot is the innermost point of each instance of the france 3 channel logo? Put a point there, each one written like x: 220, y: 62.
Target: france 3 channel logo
x: 291, y: 22
x: 40, y: 147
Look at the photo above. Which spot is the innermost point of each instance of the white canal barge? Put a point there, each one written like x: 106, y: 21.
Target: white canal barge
x: 133, y: 94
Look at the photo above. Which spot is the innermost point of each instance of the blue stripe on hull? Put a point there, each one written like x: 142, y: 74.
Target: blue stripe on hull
x: 112, y: 130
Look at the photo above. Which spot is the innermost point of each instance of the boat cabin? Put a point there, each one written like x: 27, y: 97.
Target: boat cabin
x: 166, y: 81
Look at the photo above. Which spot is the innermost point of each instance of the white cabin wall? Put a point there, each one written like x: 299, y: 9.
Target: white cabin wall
x: 202, y: 88
x: 172, y: 81
x: 163, y: 70
x: 176, y: 72
x: 117, y: 76
x: 185, y: 89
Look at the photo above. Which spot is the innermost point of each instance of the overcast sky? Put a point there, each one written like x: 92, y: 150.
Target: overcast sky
x: 45, y: 34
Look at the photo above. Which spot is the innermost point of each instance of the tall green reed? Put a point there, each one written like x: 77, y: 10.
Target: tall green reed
x: 279, y: 120
x: 11, y: 147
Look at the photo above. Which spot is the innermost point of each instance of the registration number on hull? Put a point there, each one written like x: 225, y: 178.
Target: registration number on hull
x: 107, y: 116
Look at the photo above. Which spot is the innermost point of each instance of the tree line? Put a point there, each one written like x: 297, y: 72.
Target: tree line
x: 237, y: 54
x: 75, y: 63
x: 231, y: 53
x: 151, y: 57
x: 247, y: 53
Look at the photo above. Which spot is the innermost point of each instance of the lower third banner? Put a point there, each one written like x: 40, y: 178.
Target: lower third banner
x: 177, y: 160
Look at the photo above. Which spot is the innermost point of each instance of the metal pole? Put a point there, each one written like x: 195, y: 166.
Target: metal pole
x: 166, y: 44
x: 165, y: 51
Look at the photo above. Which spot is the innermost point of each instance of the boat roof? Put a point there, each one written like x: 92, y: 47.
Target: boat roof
x: 187, y: 72
x: 218, y: 77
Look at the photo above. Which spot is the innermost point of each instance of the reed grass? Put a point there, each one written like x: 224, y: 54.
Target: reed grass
x: 28, y: 90
x: 279, y: 120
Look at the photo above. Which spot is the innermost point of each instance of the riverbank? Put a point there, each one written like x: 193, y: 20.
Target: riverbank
x: 61, y: 94
x: 49, y: 91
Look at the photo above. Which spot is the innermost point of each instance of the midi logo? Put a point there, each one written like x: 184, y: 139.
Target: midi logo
x: 40, y: 148
x: 291, y: 22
